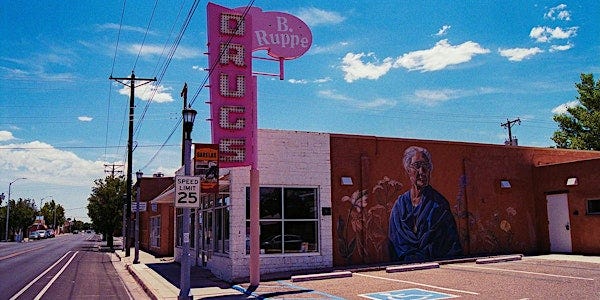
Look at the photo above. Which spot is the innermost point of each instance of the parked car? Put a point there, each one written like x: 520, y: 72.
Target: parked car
x: 34, y: 235
x: 42, y: 234
x: 50, y: 233
x: 75, y: 231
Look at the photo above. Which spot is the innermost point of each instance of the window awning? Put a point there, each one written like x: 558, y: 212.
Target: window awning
x: 167, y: 196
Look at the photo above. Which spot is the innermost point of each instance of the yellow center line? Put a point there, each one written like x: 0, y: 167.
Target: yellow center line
x: 19, y: 253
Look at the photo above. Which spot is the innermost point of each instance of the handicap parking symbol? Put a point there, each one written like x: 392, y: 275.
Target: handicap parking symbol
x: 408, y: 294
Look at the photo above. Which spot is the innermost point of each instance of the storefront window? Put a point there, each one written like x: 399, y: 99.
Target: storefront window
x: 155, y: 231
x: 288, y: 220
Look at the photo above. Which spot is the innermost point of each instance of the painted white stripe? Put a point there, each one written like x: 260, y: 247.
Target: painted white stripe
x: 43, y: 291
x: 15, y: 296
x: 419, y: 284
x: 517, y: 271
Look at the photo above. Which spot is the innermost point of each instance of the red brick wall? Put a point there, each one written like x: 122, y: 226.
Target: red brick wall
x: 151, y: 187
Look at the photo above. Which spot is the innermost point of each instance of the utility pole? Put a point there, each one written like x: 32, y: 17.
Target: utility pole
x: 508, y: 125
x: 132, y: 85
x: 110, y: 168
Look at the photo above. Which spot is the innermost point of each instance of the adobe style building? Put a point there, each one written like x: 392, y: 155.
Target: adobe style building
x: 326, y: 201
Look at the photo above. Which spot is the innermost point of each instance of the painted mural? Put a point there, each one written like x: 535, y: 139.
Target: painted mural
x: 412, y: 222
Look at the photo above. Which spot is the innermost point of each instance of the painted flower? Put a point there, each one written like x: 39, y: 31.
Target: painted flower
x: 358, y: 199
x: 511, y: 211
x: 505, y: 226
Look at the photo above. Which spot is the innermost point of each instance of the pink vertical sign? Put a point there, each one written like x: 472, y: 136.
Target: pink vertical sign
x: 232, y: 103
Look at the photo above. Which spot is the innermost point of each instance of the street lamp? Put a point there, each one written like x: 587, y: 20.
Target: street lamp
x: 8, y: 205
x: 188, y: 124
x: 136, y: 258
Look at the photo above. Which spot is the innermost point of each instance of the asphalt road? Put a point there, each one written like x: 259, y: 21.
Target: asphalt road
x: 69, y: 266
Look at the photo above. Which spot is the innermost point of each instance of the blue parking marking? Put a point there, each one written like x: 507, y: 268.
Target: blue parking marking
x: 408, y: 294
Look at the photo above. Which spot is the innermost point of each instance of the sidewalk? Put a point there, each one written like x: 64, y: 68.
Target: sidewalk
x: 160, y: 278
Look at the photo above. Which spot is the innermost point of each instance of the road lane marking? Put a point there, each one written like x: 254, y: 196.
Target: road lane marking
x: 43, y: 291
x: 15, y: 296
x: 417, y: 283
x: 524, y: 272
x: 19, y: 253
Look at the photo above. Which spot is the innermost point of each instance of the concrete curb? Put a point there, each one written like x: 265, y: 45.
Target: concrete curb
x: 298, y: 278
x: 414, y: 267
x: 491, y: 260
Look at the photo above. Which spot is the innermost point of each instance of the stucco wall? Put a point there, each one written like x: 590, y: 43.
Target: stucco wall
x: 585, y: 229
x: 290, y: 159
x: 490, y: 219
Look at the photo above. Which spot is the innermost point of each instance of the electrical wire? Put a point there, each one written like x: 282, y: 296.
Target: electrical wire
x: 145, y: 35
x: 246, y: 10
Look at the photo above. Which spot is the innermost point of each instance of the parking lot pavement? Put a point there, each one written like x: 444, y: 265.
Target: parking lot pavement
x: 539, y: 277
x: 557, y: 277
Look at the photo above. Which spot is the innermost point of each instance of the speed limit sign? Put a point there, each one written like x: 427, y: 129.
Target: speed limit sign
x: 187, y: 191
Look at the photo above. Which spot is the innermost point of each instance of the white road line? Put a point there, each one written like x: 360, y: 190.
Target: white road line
x: 517, y: 271
x: 416, y: 283
x: 15, y: 296
x: 43, y: 291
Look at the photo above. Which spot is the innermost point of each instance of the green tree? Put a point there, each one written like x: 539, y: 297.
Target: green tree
x: 53, y: 212
x: 579, y: 128
x: 105, y: 206
x: 22, y: 215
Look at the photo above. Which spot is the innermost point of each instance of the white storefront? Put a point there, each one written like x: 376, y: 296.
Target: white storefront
x: 295, y: 222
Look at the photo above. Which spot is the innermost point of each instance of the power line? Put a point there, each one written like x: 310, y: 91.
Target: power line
x: 145, y: 34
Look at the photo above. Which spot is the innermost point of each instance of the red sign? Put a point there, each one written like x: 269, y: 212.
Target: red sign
x: 206, y: 166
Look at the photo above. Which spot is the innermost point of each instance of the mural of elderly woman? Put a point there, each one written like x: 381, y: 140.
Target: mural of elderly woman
x: 422, y: 227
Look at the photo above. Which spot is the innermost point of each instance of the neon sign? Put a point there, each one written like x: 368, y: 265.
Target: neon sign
x: 233, y: 109
x: 233, y: 34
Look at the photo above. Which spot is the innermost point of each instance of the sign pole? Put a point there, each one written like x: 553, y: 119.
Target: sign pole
x: 184, y: 285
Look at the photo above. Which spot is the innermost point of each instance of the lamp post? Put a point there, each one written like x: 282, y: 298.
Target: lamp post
x: 136, y: 257
x: 8, y: 205
x: 188, y: 124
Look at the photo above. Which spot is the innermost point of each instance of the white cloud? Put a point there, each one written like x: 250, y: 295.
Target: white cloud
x: 555, y: 48
x: 562, y: 109
x: 375, y: 104
x: 322, y: 80
x: 298, y: 81
x: 442, y: 55
x: 433, y: 97
x: 158, y: 94
x: 42, y: 163
x: 182, y: 52
x: 559, y: 12
x: 546, y: 34
x: 331, y: 48
x: 313, y: 17
x: 355, y: 69
x: 114, y: 26
x: 85, y: 119
x: 6, y: 136
x: 443, y: 30
x: 305, y: 81
x: 519, y: 54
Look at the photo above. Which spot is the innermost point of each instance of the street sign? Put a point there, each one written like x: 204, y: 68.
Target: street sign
x: 134, y: 207
x: 187, y: 191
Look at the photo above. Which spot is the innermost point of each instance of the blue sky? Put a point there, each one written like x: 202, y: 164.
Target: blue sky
x: 439, y: 70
